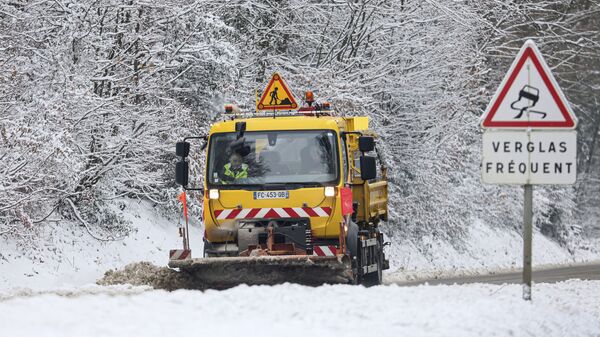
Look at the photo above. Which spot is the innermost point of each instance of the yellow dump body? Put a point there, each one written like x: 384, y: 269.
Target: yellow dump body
x: 227, y: 207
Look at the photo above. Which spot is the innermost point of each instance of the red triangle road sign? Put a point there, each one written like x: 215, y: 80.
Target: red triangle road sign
x: 529, y: 96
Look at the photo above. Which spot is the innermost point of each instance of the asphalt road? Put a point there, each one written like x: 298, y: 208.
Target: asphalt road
x: 549, y: 275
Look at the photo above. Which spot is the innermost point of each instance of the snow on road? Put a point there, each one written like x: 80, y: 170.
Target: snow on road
x: 569, y: 308
x: 565, y: 309
x: 67, y: 256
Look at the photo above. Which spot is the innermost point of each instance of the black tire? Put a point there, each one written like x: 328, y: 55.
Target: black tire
x: 375, y: 279
x: 352, y: 240
x: 205, y: 247
x: 352, y: 243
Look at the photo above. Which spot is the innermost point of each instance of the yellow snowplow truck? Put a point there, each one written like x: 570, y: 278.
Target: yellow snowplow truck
x: 288, y: 197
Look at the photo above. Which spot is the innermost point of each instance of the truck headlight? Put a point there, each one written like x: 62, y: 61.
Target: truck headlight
x: 329, y: 191
x: 213, y: 194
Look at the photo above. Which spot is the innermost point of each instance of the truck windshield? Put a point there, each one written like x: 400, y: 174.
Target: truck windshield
x: 260, y: 158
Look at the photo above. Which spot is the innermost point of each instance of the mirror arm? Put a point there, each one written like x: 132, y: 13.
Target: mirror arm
x: 194, y: 189
x: 200, y: 137
x: 345, y: 133
x: 204, y: 137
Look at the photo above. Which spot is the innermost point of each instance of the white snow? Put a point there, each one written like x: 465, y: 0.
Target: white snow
x: 485, y: 250
x: 70, y: 256
x: 569, y: 308
x: 55, y: 297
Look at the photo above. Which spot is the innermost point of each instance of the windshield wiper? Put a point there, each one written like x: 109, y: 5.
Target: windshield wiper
x: 293, y: 185
x: 251, y: 187
x: 278, y: 186
x: 270, y: 186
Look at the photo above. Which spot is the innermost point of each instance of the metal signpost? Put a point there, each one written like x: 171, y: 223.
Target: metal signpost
x: 529, y: 137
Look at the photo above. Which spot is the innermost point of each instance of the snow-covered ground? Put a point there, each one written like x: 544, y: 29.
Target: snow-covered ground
x: 70, y: 256
x: 485, y: 250
x: 51, y: 292
x: 569, y: 308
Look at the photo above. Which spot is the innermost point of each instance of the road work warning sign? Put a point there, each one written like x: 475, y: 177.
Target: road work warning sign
x: 277, y: 96
x: 534, y: 157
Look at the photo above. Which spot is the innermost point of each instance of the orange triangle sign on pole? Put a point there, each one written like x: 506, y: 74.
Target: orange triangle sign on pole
x: 529, y: 96
x: 277, y: 96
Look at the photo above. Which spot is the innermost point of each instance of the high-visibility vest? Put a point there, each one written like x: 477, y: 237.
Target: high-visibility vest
x: 243, y: 173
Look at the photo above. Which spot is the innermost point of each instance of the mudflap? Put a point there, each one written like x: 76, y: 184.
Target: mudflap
x: 226, y: 272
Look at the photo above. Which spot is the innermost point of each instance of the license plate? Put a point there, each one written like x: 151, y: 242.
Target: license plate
x: 258, y: 195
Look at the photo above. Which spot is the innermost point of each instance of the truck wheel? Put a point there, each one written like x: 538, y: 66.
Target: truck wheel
x: 204, y: 247
x: 375, y: 279
x: 352, y: 242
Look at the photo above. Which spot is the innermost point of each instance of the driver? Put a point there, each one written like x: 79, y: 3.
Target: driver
x: 235, y: 169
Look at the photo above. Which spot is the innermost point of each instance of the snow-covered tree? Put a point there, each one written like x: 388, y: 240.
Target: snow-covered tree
x: 94, y: 96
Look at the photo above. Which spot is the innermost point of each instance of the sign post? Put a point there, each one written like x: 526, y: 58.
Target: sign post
x: 529, y: 138
x: 527, y: 240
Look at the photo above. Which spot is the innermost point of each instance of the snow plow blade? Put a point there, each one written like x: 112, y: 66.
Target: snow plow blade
x: 226, y: 272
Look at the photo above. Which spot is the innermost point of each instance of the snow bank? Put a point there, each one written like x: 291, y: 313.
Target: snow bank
x: 66, y: 255
x: 485, y: 250
x: 565, y: 309
x: 145, y: 273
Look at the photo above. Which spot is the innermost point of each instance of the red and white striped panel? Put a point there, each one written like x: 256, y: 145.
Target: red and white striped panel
x: 180, y: 254
x: 324, y: 250
x: 273, y: 213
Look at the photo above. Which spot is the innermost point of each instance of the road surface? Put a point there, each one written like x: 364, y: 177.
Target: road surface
x: 548, y: 275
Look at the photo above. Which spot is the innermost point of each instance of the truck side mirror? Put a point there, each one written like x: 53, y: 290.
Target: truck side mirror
x: 240, y: 128
x: 182, y: 149
x: 368, y: 168
x: 366, y: 143
x: 182, y: 173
